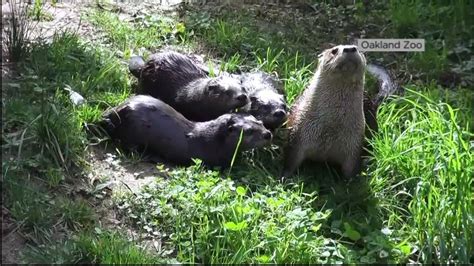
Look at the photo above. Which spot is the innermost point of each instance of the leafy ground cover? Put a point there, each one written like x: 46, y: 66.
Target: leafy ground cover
x: 413, y: 203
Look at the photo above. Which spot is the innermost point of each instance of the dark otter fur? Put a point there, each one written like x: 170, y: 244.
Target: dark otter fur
x: 327, y: 121
x: 386, y: 87
x: 179, y: 81
x: 267, y: 102
x: 148, y: 123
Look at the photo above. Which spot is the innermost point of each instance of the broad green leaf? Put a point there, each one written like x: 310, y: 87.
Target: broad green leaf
x: 263, y: 259
x: 235, y: 227
x: 351, y: 233
x: 241, y: 191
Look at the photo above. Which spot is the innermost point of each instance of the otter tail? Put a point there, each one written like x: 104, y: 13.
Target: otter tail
x: 386, y: 84
x: 136, y: 65
x: 386, y: 87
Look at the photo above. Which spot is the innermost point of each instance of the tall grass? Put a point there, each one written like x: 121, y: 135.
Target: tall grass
x: 53, y: 126
x: 17, y: 30
x: 422, y: 167
x: 443, y: 25
x: 44, y: 134
x: 92, y: 247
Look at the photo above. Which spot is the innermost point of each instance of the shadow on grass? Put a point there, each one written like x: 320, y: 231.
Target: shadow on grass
x: 356, y: 217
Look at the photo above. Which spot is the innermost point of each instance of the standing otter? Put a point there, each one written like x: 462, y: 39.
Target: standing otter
x: 179, y: 81
x: 327, y: 121
x: 148, y: 123
x: 267, y: 102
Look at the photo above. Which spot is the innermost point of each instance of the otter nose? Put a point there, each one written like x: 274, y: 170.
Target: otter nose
x: 352, y: 49
x: 267, y: 135
x: 242, y: 98
x: 279, y: 114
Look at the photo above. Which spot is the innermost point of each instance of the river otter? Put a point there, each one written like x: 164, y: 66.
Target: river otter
x: 267, y: 102
x: 148, y: 123
x: 179, y: 81
x: 327, y: 121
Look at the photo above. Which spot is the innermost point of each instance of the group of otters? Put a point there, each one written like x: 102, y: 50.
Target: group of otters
x: 181, y: 112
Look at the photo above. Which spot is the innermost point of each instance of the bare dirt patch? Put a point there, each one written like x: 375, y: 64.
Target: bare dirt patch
x: 109, y: 170
x: 12, y: 241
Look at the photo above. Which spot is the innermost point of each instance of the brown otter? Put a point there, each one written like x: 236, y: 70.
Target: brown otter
x: 327, y: 121
x: 267, y: 102
x: 179, y: 81
x: 148, y: 123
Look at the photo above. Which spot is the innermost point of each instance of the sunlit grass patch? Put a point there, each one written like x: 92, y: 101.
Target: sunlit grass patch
x: 422, y: 171
x: 147, y: 31
x: 94, y: 246
x: 44, y: 135
x: 212, y: 219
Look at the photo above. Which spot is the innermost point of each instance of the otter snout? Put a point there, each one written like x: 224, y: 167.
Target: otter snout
x: 267, y: 135
x: 352, y: 49
x: 349, y: 59
x: 243, y: 99
x: 279, y: 114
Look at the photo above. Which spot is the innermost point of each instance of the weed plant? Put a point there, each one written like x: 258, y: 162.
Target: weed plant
x: 17, y: 31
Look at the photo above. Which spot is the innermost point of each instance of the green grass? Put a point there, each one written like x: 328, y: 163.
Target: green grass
x: 213, y: 220
x: 37, y: 12
x: 97, y: 246
x: 44, y: 136
x: 150, y: 31
x: 443, y: 25
x: 18, y: 31
x: 422, y: 170
x: 413, y: 202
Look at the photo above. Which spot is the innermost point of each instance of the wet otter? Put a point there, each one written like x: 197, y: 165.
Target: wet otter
x: 179, y: 81
x: 267, y: 102
x: 327, y: 121
x: 148, y: 123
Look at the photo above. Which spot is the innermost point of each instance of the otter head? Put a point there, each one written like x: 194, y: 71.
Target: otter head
x: 226, y: 90
x: 269, y: 107
x: 342, y: 61
x: 255, y: 134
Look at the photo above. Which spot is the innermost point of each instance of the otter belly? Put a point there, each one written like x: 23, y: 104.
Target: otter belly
x: 334, y: 137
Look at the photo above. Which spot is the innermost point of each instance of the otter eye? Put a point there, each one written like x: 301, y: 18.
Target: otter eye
x: 253, y: 98
x: 266, y: 107
x: 334, y: 51
x: 250, y: 131
x: 213, y: 88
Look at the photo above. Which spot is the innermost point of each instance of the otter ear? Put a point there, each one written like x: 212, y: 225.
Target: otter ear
x: 231, y: 128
